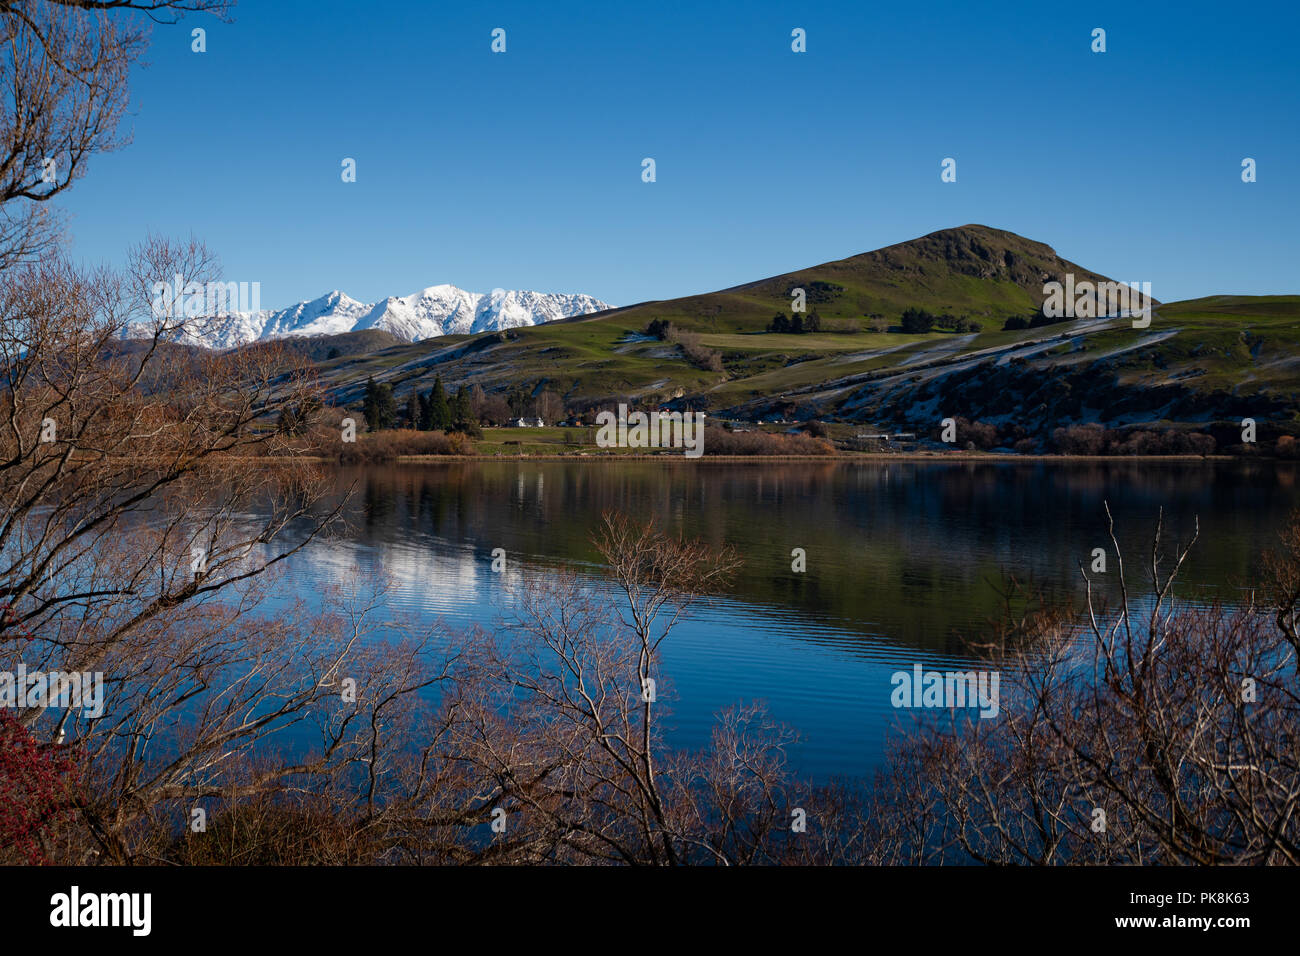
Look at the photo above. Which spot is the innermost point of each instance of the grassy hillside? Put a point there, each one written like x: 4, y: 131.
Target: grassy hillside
x: 984, y: 273
x: 1210, y: 358
x: 335, y: 350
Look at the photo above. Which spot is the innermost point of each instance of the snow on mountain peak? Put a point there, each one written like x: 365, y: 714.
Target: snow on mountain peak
x: 436, y: 310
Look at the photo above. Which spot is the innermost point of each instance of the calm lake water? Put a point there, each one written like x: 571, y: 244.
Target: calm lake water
x: 902, y: 561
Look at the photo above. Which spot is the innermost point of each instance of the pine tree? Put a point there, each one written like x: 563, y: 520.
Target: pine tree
x: 386, y: 406
x: 461, y: 416
x: 371, y: 407
x: 439, y: 411
x: 412, y: 410
x: 425, y: 410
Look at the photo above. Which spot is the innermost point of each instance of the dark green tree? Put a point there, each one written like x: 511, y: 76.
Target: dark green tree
x: 659, y: 328
x: 385, y: 406
x: 461, y: 415
x: 439, y: 410
x: 917, y: 321
x: 426, y: 410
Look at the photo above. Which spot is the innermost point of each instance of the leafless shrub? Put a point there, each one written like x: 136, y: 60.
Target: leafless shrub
x: 719, y: 441
x: 1154, y: 734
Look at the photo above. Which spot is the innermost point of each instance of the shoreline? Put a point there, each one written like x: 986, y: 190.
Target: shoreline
x: 873, y: 457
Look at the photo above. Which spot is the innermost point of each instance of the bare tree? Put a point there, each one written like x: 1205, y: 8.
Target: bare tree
x: 130, y: 475
x: 549, y: 407
x: 1149, y: 733
x: 64, y: 70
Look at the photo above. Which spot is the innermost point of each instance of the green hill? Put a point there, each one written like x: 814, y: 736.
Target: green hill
x: 1199, y: 360
x: 984, y: 273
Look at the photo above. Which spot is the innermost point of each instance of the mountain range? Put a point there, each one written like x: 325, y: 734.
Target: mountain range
x: 432, y: 312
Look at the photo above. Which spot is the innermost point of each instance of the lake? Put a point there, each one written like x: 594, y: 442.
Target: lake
x: 903, y: 561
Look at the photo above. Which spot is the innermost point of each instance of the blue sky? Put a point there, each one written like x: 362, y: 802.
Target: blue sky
x: 523, y: 169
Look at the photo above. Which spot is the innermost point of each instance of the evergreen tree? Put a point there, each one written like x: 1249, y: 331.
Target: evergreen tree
x: 385, y: 406
x: 917, y: 321
x: 461, y: 416
x: 371, y: 407
x: 425, y: 410
x: 439, y: 410
x: 413, y: 410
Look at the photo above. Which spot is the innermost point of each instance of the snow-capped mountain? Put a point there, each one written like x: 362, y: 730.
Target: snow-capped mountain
x: 437, y: 310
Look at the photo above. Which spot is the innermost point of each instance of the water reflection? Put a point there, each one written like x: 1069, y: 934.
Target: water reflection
x: 902, y: 559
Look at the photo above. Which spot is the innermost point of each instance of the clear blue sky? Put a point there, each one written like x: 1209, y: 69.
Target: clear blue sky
x: 523, y: 169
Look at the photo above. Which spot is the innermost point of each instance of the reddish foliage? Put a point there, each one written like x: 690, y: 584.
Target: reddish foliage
x: 35, y: 791
x: 9, y: 619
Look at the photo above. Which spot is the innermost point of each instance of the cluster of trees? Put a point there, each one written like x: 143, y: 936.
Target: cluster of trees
x: 693, y: 349
x: 436, y: 411
x: 1037, y: 320
x: 919, y: 321
x: 380, y: 408
x: 1095, y: 439
x: 1088, y: 439
x: 977, y: 435
x: 467, y: 409
x: 535, y: 402
x: 724, y: 441
x: 961, y: 323
x: 815, y: 291
x: 796, y: 324
x: 660, y: 328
